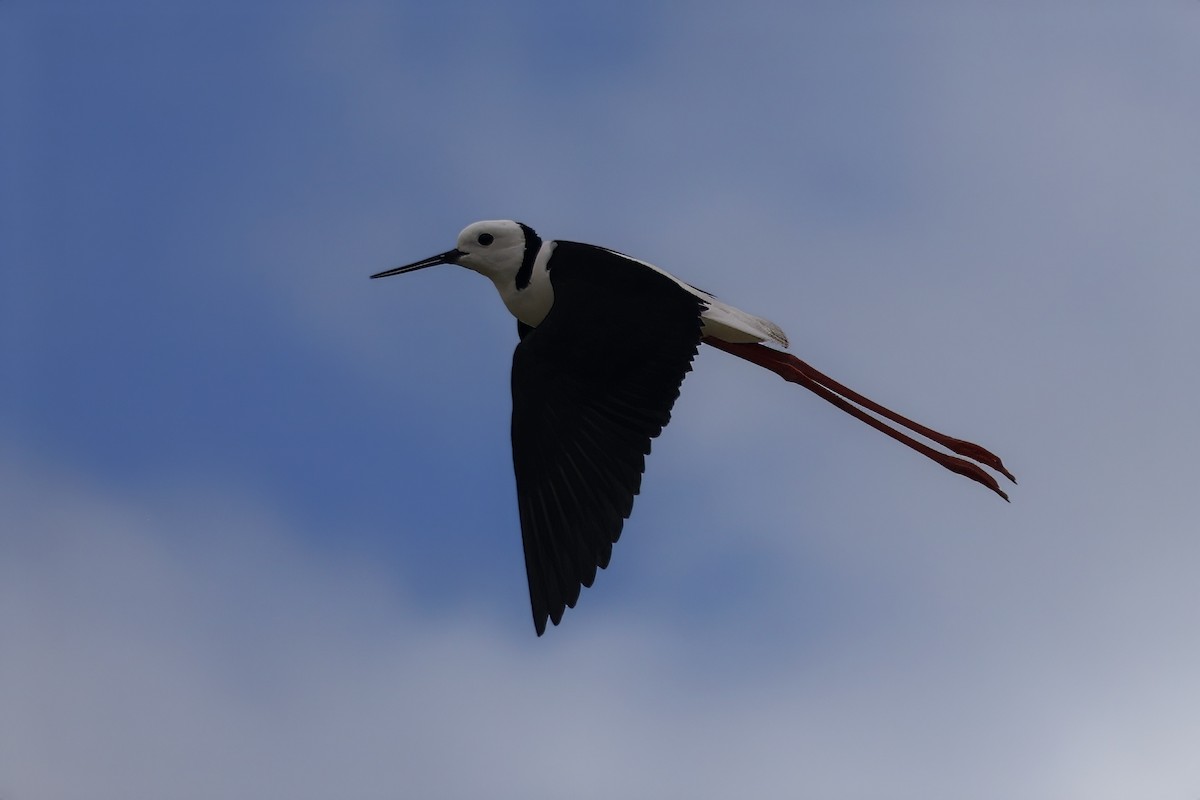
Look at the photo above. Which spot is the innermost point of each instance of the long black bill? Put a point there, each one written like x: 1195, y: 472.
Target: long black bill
x: 448, y: 257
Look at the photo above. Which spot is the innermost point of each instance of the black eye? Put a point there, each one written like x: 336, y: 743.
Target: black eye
x: 485, y: 239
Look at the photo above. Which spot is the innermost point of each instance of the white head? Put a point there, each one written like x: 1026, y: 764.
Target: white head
x: 494, y: 247
x: 497, y: 248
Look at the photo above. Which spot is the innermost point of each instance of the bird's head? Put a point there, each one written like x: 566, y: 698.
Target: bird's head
x: 496, y: 248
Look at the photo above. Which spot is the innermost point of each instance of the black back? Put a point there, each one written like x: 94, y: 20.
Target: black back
x: 592, y: 385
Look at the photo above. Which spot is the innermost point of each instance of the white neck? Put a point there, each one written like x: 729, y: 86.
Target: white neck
x: 531, y: 304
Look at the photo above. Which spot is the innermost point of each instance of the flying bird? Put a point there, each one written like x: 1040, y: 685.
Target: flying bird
x: 605, y: 343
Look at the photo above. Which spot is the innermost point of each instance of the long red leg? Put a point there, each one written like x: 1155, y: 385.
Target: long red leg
x: 796, y: 371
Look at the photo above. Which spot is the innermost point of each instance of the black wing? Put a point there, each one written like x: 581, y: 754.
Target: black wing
x: 592, y: 385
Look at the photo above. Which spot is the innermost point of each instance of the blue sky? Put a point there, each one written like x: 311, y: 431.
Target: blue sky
x: 257, y: 527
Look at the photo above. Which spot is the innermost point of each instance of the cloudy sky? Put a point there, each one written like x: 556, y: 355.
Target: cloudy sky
x: 258, y: 534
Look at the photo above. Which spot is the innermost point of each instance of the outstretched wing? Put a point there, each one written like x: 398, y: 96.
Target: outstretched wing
x: 592, y: 385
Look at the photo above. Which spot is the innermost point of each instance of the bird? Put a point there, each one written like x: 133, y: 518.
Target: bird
x: 604, y: 343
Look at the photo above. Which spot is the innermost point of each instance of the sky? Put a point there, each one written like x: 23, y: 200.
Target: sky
x: 258, y: 534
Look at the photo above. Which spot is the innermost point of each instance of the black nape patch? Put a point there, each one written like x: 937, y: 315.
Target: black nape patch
x: 533, y: 243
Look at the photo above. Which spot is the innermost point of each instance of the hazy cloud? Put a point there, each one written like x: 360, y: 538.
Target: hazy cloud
x: 257, y: 533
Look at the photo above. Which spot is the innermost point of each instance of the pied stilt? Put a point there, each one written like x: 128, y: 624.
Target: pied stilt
x: 605, y: 342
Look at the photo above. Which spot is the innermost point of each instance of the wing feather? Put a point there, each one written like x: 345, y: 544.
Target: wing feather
x: 592, y: 385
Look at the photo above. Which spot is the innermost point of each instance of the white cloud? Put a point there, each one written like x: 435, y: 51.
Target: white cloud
x: 229, y: 659
x: 799, y: 606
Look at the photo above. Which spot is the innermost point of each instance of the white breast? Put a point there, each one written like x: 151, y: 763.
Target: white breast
x: 531, y: 304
